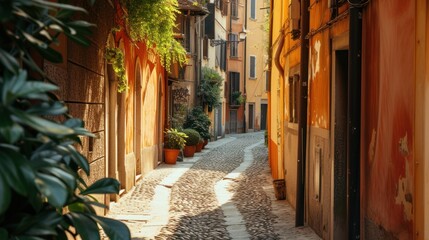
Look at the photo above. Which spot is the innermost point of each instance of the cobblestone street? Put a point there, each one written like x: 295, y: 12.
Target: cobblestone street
x: 224, y: 192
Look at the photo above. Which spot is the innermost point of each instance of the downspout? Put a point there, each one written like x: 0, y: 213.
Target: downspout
x: 302, y: 120
x: 270, y: 55
x: 354, y: 118
x: 278, y: 53
x: 197, y: 60
x: 245, y: 68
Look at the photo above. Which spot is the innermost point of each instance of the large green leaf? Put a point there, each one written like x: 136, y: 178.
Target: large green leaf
x: 103, y: 186
x: 56, y: 108
x: 56, y: 5
x: 78, y: 39
x: 11, y: 132
x: 5, y: 198
x: 40, y: 224
x: 53, y: 189
x: 78, y: 158
x: 10, y: 166
x: 64, y: 175
x: 86, y: 227
x: 31, y: 87
x: 40, y: 124
x: 8, y: 61
x: 50, y: 54
x: 114, y: 229
x: 37, y: 42
x: 79, y: 207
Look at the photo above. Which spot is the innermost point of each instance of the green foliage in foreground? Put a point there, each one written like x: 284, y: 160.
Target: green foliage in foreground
x: 42, y: 195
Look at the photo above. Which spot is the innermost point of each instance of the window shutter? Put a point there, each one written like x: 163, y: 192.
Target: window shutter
x: 209, y: 22
x: 224, y: 7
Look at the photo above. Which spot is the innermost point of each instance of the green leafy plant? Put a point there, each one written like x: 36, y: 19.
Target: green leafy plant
x: 153, y: 22
x: 237, y: 98
x: 197, y: 119
x: 193, y: 137
x: 179, y: 115
x: 210, y: 87
x: 43, y: 195
x: 115, y: 56
x: 174, y: 139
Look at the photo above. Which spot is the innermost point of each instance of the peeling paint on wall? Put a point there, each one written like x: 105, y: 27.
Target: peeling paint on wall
x: 404, y: 195
x: 403, y: 146
x: 315, y: 59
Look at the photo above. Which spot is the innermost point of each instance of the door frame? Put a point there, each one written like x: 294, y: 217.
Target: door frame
x: 338, y: 43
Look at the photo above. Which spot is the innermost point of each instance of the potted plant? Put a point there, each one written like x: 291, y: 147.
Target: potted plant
x: 174, y: 142
x: 197, y: 119
x: 191, y: 142
x: 200, y: 145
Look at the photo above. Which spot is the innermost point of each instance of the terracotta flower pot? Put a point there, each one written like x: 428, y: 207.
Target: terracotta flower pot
x: 199, y: 147
x: 170, y: 155
x: 206, y: 141
x: 189, y: 151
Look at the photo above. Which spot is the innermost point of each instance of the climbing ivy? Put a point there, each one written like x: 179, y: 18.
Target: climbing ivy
x: 153, y: 21
x: 115, y: 57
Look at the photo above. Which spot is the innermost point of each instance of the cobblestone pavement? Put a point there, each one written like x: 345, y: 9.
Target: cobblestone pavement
x: 224, y: 192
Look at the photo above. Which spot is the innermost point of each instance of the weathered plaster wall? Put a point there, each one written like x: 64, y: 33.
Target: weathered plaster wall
x: 388, y: 118
x: 319, y: 157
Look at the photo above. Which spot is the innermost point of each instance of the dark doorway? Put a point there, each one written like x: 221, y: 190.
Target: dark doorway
x: 340, y: 144
x: 264, y: 108
x: 218, y: 117
x: 233, y: 121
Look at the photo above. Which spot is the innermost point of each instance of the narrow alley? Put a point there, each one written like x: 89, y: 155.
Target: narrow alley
x: 224, y: 192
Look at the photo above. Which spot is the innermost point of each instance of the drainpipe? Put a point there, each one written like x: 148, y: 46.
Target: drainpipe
x: 270, y: 54
x: 245, y: 68
x: 354, y: 118
x: 197, y: 60
x: 302, y: 120
x: 278, y: 53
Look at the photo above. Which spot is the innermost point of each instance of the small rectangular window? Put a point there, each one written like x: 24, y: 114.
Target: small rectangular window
x: 233, y: 44
x: 252, y: 63
x: 234, y: 9
x: 253, y: 9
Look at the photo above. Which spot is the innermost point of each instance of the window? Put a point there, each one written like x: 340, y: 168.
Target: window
x: 293, y: 98
x: 218, y: 4
x: 267, y: 81
x: 186, y: 28
x: 253, y: 9
x: 234, y: 9
x: 252, y: 66
x: 222, y: 5
x: 233, y: 45
x: 205, y: 47
x: 234, y: 87
x: 251, y: 115
x: 221, y: 56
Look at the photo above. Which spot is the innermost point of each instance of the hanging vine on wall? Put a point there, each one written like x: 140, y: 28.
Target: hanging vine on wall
x: 153, y: 21
x: 115, y: 57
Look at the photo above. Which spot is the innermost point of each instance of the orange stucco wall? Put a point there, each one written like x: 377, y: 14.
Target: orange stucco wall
x: 388, y: 115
